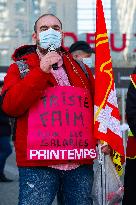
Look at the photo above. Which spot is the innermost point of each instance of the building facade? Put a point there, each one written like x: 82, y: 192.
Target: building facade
x: 16, y: 25
x: 124, y: 28
x: 78, y: 18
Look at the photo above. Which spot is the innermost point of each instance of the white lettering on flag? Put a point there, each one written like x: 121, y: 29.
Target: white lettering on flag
x: 112, y: 99
x: 107, y: 121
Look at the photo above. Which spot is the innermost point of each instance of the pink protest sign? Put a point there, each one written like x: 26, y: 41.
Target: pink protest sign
x: 60, y: 125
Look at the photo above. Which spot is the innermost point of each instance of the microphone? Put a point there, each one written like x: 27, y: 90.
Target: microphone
x: 52, y: 48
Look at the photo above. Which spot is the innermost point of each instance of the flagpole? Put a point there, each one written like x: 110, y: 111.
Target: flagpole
x: 104, y: 179
x: 103, y: 175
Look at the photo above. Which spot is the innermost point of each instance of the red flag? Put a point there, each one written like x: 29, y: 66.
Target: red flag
x: 107, y: 117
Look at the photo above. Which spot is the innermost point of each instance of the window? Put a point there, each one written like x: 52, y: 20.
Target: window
x: 86, y: 11
x: 52, y: 7
x: 2, y: 5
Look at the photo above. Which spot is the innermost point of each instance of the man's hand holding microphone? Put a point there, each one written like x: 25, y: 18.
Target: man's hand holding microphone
x: 48, y: 60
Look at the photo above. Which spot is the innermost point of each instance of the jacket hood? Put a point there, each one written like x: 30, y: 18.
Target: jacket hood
x: 23, y: 51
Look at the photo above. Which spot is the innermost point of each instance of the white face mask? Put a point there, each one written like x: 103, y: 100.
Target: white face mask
x: 50, y: 38
x: 88, y: 62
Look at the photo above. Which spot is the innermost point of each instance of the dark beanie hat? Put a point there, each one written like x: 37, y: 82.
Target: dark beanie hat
x: 81, y: 45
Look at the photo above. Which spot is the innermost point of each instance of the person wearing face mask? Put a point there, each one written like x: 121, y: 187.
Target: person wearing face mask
x: 82, y: 51
x: 51, y: 105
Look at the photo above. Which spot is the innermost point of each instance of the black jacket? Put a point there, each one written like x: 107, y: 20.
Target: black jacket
x: 5, y: 128
x: 131, y: 106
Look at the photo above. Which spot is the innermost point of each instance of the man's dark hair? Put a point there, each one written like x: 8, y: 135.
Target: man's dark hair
x: 35, y: 25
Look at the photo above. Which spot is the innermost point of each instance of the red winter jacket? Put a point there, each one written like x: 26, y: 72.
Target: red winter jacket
x: 20, y: 94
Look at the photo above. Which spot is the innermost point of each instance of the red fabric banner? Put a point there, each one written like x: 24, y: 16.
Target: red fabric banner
x: 107, y: 117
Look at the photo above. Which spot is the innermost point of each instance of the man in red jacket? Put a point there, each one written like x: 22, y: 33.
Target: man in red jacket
x: 52, y: 99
